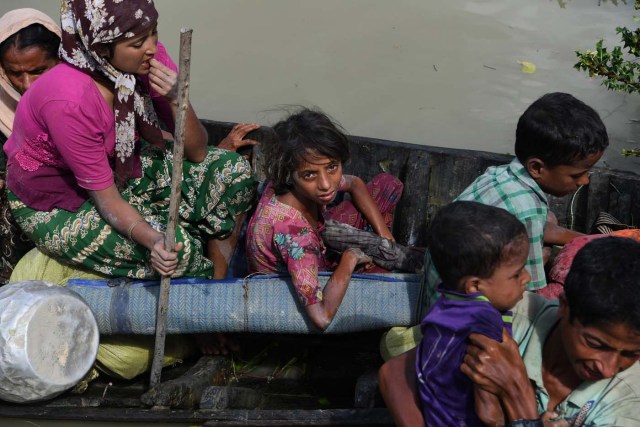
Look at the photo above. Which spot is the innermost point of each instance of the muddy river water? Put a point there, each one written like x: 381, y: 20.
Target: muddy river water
x: 435, y: 72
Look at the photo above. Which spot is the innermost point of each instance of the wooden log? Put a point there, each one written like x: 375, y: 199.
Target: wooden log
x: 366, y: 390
x: 415, y: 175
x: 186, y: 391
x: 174, y: 200
x: 227, y: 397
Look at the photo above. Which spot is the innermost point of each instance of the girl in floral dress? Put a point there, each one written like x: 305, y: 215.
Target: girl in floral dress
x: 304, y: 169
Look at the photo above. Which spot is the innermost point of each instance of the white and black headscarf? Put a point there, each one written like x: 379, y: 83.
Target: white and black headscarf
x: 89, y: 23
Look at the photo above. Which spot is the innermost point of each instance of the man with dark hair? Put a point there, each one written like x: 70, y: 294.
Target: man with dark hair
x: 573, y: 360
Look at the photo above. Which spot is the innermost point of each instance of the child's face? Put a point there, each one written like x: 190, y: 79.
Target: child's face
x: 317, y: 179
x: 507, y: 283
x: 565, y: 179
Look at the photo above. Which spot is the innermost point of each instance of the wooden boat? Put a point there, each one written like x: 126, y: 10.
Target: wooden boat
x: 319, y: 379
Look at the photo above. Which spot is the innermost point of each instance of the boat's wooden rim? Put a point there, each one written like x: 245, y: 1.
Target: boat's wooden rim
x: 230, y: 417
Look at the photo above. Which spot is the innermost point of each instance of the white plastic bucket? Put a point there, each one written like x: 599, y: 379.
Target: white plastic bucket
x: 48, y: 340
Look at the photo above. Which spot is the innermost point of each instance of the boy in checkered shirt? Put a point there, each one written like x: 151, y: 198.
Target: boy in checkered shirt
x: 558, y: 140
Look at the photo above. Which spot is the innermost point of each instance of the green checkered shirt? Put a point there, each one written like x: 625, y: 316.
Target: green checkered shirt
x: 508, y: 187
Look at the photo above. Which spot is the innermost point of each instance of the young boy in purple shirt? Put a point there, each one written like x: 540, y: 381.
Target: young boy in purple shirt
x: 480, y: 252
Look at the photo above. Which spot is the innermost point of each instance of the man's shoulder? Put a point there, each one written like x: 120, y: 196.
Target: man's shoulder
x: 618, y: 400
x: 631, y: 380
x: 533, y: 313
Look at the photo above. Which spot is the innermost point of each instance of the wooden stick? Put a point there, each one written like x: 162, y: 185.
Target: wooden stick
x: 174, y: 201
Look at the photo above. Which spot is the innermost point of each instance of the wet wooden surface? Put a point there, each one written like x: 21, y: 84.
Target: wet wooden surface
x: 337, y: 386
x: 434, y: 176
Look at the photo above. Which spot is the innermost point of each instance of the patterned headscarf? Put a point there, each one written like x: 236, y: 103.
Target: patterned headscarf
x: 88, y: 23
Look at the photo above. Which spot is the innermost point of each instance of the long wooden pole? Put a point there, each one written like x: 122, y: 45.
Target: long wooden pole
x: 174, y: 201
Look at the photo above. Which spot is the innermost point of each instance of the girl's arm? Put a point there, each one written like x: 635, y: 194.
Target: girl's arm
x: 323, y: 312
x: 164, y: 80
x: 365, y: 204
x: 126, y: 220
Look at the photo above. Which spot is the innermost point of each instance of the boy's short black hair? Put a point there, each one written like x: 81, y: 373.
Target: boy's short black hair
x: 33, y: 35
x: 306, y: 131
x: 559, y: 130
x: 603, y: 285
x: 469, y: 239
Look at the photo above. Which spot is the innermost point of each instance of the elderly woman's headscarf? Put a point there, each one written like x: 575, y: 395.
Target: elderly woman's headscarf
x: 88, y: 23
x: 10, y: 23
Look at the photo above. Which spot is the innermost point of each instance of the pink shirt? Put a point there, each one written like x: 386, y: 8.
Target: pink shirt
x: 281, y: 240
x: 63, y: 140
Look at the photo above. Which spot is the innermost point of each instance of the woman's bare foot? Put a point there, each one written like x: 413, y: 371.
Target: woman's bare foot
x: 216, y: 344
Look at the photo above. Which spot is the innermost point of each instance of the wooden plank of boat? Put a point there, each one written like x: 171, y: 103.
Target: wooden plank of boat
x: 433, y: 176
x: 287, y: 401
x: 233, y: 417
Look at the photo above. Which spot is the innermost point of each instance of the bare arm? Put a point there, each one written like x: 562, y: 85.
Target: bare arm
x: 125, y: 219
x: 488, y: 407
x: 220, y: 251
x: 236, y: 138
x: 554, y: 234
x: 322, y: 313
x: 365, y: 204
x: 498, y: 368
x: 399, y: 388
x: 165, y: 81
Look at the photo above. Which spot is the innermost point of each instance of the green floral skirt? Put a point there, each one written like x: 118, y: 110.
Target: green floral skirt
x: 214, y: 192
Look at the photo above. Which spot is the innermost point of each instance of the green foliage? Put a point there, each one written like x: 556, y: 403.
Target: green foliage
x: 618, y: 67
x: 619, y: 73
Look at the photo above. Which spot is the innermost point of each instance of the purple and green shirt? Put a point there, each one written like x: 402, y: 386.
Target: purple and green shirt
x: 446, y: 394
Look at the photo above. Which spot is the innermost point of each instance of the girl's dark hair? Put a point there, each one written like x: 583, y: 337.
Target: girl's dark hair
x: 302, y: 133
x: 602, y: 286
x: 33, y: 35
x: 472, y: 239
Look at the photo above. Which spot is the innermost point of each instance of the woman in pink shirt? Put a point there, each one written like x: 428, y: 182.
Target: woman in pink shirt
x: 88, y: 168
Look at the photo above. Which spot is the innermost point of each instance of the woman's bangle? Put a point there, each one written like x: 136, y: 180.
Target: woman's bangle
x: 132, y: 226
x: 526, y: 423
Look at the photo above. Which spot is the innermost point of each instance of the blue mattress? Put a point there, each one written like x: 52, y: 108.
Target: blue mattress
x: 265, y: 303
